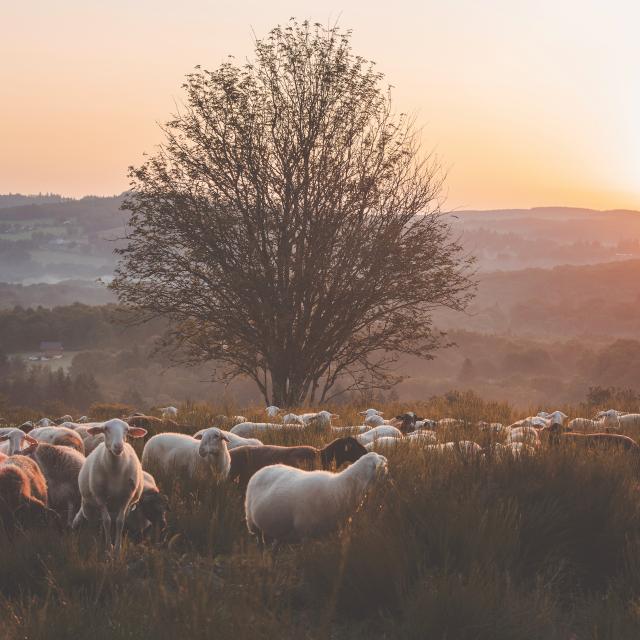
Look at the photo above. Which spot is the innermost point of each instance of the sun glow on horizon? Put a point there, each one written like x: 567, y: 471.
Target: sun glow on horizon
x: 525, y: 104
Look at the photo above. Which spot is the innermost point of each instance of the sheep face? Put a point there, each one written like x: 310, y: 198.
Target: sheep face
x: 272, y: 411
x: 374, y: 420
x: 407, y: 421
x: 115, y: 432
x: 155, y: 506
x: 371, y: 412
x: 211, y: 442
x: 16, y: 437
x: 377, y: 462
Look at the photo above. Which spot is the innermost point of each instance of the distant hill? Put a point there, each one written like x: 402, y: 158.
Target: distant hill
x: 17, y: 199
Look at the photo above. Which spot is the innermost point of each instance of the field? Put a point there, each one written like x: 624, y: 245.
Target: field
x: 543, y: 547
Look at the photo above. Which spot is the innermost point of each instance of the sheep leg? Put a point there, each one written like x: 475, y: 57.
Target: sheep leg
x: 77, y: 521
x: 119, y: 528
x: 106, y: 525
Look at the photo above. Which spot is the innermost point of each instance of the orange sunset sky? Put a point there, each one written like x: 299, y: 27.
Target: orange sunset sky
x: 525, y: 103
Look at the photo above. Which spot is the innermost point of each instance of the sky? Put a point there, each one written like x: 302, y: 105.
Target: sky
x: 525, y: 104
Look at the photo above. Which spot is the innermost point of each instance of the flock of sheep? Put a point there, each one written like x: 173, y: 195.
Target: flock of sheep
x: 77, y: 472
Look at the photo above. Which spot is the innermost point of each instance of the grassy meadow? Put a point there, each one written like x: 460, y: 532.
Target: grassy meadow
x: 547, y: 546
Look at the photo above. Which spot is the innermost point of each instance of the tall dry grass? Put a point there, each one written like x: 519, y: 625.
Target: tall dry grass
x: 543, y: 547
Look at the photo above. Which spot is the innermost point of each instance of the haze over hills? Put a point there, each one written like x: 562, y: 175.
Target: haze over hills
x: 558, y: 288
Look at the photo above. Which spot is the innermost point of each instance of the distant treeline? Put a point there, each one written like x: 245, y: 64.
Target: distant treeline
x: 77, y: 326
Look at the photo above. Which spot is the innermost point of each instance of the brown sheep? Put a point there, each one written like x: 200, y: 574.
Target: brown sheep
x: 60, y: 467
x: 246, y: 460
x: 149, y: 513
x: 557, y: 435
x: 152, y: 424
x: 23, y: 493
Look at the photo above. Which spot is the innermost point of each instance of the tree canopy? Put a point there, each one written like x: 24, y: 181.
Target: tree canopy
x: 289, y: 226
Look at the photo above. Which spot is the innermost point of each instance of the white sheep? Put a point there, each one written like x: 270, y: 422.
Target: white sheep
x: 169, y: 412
x: 582, y: 424
x: 629, y: 420
x: 233, y: 439
x: 292, y: 418
x: 110, y: 480
x: 420, y: 438
x: 346, y: 431
x: 288, y: 504
x: 375, y: 420
x: 453, y: 423
x: 426, y: 424
x: 378, y: 432
x: 320, y: 420
x: 370, y: 412
x: 272, y: 411
x: 245, y: 429
x: 166, y: 452
x: 557, y: 416
x: 526, y: 434
x: 12, y: 440
x: 61, y: 436
x: 515, y: 450
x: 44, y: 422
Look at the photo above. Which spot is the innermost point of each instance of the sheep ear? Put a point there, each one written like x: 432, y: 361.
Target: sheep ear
x: 4, y: 437
x: 225, y: 438
x: 136, y: 432
x: 198, y: 436
x: 94, y: 431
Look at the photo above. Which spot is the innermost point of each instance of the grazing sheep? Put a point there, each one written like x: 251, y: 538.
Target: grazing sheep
x: 90, y: 441
x: 64, y: 418
x: 110, y: 480
x: 23, y: 493
x: 495, y: 428
x: 150, y: 512
x: 61, y: 468
x: 245, y: 429
x: 169, y: 412
x: 44, y: 422
x: 13, y: 439
x: 464, y: 448
x: 151, y: 423
x: 245, y: 461
x: 629, y: 421
x: 558, y: 436
x: 26, y: 426
x: 378, y: 432
x: 272, y: 411
x: 292, y: 418
x: 582, y: 424
x: 188, y: 456
x: 407, y: 421
x: 349, y: 430
x: 288, y: 504
x: 320, y: 420
x: 526, y: 434
x: 370, y: 412
x: 375, y: 420
x: 515, y: 450
x: 556, y: 416
x: 234, y: 440
x: 81, y: 420
x: 62, y: 436
x: 425, y: 424
x: 423, y: 436
x: 450, y: 423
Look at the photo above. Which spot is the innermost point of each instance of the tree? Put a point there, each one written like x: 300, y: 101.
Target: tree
x: 289, y: 226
